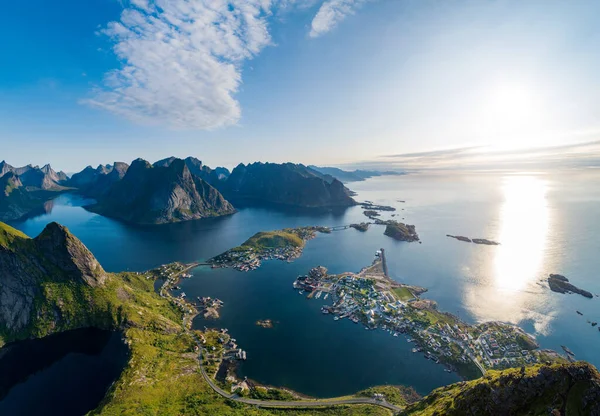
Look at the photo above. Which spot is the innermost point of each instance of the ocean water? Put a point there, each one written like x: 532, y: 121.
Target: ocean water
x: 545, y: 222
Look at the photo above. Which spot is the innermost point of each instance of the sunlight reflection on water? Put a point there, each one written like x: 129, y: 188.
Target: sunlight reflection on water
x: 523, y: 233
x: 508, y: 289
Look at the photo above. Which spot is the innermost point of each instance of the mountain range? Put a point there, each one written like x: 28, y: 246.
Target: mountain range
x: 346, y: 176
x: 286, y: 184
x: 25, y: 190
x: 171, y: 189
x: 164, y: 193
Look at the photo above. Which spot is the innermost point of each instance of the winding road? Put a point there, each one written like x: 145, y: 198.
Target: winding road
x: 286, y: 404
x: 270, y: 403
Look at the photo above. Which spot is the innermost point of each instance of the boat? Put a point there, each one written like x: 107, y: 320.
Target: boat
x: 326, y: 295
x: 447, y: 371
x: 579, y: 313
x: 395, y: 334
x: 336, y: 318
x: 414, y: 350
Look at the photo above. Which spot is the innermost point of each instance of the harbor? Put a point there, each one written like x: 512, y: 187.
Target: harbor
x: 374, y: 300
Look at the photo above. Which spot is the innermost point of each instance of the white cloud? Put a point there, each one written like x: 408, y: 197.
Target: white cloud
x: 181, y: 60
x: 331, y: 13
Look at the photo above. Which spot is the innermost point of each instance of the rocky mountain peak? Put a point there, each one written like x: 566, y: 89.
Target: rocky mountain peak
x: 68, y: 253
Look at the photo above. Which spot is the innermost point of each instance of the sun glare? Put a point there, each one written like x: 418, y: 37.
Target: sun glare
x: 511, y: 116
x: 523, y: 233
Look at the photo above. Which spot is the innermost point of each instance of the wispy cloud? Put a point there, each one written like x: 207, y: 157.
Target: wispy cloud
x: 583, y: 155
x: 181, y: 60
x: 331, y: 13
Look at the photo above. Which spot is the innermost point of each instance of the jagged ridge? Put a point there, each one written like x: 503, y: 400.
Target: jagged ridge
x: 161, y: 194
x: 285, y: 184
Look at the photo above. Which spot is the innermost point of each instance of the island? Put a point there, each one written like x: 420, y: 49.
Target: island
x: 374, y: 300
x: 265, y: 323
x: 286, y: 245
x: 560, y: 284
x: 371, y: 214
x: 483, y: 241
x: 363, y: 226
x: 400, y: 231
x: 371, y: 206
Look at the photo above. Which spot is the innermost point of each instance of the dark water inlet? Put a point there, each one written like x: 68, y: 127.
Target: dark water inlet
x: 63, y: 374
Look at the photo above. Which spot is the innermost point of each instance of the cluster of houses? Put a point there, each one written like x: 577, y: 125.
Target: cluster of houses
x: 248, y: 259
x: 361, y: 299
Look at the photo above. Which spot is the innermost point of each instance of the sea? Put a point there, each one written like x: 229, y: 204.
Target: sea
x: 546, y: 222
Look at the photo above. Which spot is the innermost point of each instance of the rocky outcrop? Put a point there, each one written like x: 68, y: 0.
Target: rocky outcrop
x: 401, y: 232
x: 285, y: 184
x: 161, y: 194
x: 563, y: 389
x: 26, y: 265
x: 560, y: 284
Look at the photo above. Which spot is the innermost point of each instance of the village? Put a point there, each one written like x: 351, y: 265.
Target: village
x: 374, y: 300
x: 285, y: 245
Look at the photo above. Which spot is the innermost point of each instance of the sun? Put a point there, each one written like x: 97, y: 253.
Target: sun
x: 511, y: 116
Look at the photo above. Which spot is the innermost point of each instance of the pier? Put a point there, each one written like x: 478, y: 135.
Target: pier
x: 384, y: 263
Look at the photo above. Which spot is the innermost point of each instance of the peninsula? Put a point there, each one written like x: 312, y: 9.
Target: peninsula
x: 371, y: 298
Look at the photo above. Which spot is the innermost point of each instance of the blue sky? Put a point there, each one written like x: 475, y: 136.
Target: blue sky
x: 312, y: 81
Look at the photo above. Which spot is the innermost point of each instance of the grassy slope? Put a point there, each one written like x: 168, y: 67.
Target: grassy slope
x: 9, y: 234
x: 513, y: 392
x: 273, y: 239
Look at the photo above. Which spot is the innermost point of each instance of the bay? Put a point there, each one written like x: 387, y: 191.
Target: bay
x: 545, y: 222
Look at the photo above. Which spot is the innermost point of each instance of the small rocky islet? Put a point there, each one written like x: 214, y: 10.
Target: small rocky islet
x: 560, y: 284
x: 483, y: 241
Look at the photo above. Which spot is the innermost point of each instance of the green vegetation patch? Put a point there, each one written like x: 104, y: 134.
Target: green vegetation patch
x: 273, y: 239
x: 8, y: 235
x: 402, y: 293
x: 396, y: 395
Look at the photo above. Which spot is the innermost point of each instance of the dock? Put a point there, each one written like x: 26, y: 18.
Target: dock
x: 384, y: 263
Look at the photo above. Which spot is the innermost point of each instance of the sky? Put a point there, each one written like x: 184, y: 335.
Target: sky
x: 328, y: 82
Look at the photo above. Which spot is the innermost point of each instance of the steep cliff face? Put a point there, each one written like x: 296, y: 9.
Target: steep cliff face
x: 161, y: 194
x: 15, y: 201
x: 95, y: 183
x: 196, y: 167
x: 44, y: 178
x: 286, y: 184
x: 30, y: 267
x: 558, y: 390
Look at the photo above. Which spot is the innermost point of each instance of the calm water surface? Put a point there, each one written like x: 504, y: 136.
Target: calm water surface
x: 66, y: 374
x: 546, y: 224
